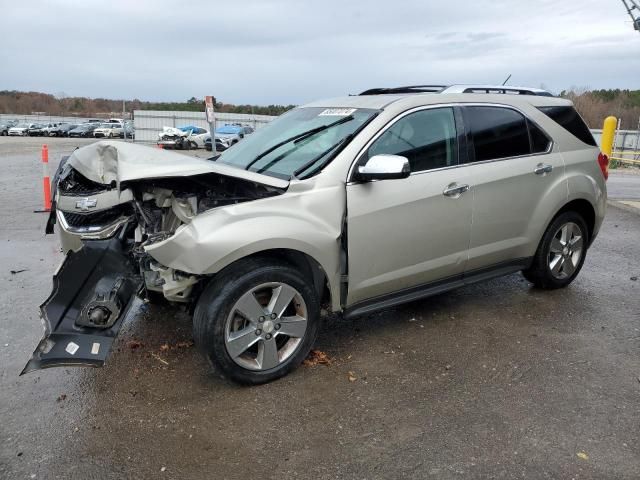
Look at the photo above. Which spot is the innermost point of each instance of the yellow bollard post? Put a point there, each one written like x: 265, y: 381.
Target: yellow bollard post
x: 608, y: 132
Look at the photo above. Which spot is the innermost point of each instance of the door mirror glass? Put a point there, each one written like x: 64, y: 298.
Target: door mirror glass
x: 384, y: 167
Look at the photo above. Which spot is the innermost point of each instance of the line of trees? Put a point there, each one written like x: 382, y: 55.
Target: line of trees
x: 596, y: 105
x: 593, y: 105
x: 25, y: 103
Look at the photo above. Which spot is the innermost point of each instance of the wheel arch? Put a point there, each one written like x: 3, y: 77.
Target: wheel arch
x: 308, y: 266
x: 585, y: 209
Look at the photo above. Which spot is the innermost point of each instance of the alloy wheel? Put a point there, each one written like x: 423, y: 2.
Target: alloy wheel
x: 565, y: 251
x: 266, y: 326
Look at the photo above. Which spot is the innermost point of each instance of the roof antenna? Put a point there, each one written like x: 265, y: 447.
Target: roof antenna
x: 505, y: 82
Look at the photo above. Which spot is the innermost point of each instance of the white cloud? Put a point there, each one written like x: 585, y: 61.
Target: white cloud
x: 290, y: 51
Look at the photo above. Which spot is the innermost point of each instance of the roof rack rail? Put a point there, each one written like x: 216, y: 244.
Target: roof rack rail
x: 408, y: 89
x: 497, y: 89
x: 492, y: 89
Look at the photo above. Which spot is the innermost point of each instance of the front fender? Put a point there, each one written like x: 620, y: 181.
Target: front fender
x: 307, y: 221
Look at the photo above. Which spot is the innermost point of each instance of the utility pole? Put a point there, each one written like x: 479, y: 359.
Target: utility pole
x: 633, y: 9
x: 124, y: 125
x: 209, y: 103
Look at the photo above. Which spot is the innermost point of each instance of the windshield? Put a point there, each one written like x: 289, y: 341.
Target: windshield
x: 288, y: 158
x: 22, y: 125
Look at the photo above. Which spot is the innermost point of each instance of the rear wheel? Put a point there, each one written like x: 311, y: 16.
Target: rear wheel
x: 561, y: 252
x: 257, y: 321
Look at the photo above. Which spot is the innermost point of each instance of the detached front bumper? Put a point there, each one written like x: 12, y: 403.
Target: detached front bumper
x: 92, y: 292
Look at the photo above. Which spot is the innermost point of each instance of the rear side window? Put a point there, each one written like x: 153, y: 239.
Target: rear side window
x: 497, y: 132
x: 568, y: 118
x: 540, y: 142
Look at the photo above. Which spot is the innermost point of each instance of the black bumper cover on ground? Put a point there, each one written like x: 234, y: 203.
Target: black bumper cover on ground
x: 74, y: 285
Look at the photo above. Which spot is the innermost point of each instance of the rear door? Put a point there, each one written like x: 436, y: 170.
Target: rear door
x: 409, y: 232
x: 517, y: 181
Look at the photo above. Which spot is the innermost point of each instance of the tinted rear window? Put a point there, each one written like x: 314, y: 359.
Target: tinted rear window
x: 567, y: 117
x: 497, y: 132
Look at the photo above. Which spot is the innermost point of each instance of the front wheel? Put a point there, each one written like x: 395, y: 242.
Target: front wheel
x: 561, y: 252
x: 257, y: 321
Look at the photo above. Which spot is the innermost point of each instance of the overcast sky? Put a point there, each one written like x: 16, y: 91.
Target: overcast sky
x: 294, y: 51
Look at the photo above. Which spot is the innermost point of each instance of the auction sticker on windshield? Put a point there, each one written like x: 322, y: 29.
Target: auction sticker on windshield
x: 337, y: 112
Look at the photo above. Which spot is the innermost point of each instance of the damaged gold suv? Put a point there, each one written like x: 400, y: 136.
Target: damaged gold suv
x: 348, y: 205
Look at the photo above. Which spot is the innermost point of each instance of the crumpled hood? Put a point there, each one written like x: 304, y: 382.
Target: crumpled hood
x: 108, y: 161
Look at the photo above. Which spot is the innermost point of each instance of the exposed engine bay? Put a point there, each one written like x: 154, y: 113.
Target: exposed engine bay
x: 105, y: 224
x: 148, y: 211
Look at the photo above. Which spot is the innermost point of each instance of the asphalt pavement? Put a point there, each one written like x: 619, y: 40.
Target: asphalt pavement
x: 624, y: 184
x: 496, y: 380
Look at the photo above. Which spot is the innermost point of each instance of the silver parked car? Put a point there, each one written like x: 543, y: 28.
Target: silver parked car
x: 349, y: 205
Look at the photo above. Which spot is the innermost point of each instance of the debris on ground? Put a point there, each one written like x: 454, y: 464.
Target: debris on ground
x: 61, y: 398
x: 13, y: 272
x: 582, y: 455
x: 352, y: 377
x: 134, y: 344
x: 163, y: 469
x: 165, y: 347
x: 634, y: 279
x: 157, y: 357
x: 316, y: 357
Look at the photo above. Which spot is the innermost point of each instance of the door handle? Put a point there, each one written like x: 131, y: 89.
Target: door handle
x: 455, y: 190
x: 543, y: 168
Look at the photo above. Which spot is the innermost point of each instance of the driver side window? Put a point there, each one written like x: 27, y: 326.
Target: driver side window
x: 427, y: 138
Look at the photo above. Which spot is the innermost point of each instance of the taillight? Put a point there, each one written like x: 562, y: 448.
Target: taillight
x: 603, y: 161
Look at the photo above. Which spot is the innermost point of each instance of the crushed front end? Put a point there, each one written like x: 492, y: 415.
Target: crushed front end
x: 111, y: 201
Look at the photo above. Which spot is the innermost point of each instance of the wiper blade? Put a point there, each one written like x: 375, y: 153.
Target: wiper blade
x: 298, y: 137
x: 333, y: 147
x: 336, y: 149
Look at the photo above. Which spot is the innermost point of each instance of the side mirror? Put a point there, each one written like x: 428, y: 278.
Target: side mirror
x: 384, y: 167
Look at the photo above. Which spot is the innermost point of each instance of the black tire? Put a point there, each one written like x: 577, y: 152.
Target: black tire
x: 217, y: 301
x: 539, y: 273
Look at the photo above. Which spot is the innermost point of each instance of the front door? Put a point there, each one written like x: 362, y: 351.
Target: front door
x: 413, y: 231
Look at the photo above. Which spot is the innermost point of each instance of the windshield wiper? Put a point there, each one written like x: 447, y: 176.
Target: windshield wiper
x: 333, y: 147
x: 297, y: 138
x: 336, y: 148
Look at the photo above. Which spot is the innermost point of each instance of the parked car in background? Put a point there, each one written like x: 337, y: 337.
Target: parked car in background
x: 108, y: 130
x: 21, y: 129
x: 5, y: 126
x: 37, y: 130
x: 129, y: 130
x: 187, y: 137
x: 219, y: 145
x: 62, y: 130
x: 229, y: 134
x: 84, y: 130
x: 47, y: 128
